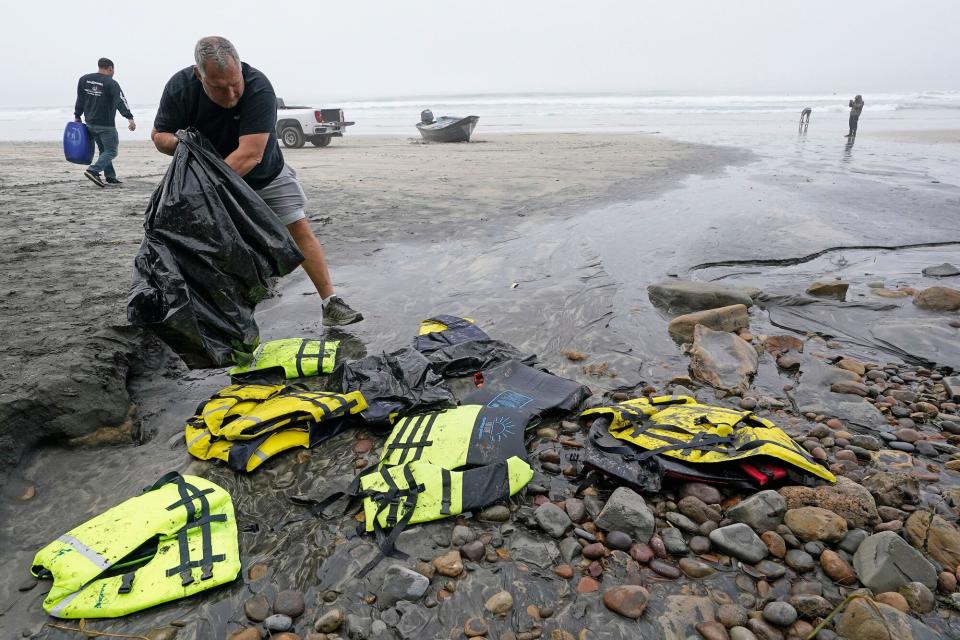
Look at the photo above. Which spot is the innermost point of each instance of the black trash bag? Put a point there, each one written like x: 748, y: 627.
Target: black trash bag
x: 536, y: 391
x: 399, y: 382
x: 465, y: 358
x: 210, y: 247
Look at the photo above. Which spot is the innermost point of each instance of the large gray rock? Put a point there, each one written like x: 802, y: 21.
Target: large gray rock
x: 944, y: 270
x: 685, y: 297
x: 730, y: 319
x: 739, y: 540
x: 400, y: 583
x: 552, y: 519
x: 886, y: 562
x: 626, y: 511
x: 722, y: 360
x: 762, y: 511
x: 75, y: 395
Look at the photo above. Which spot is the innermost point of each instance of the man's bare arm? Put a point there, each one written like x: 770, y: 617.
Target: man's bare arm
x: 164, y: 142
x: 248, y: 153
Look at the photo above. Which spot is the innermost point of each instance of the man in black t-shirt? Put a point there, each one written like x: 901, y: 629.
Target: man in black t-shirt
x: 234, y: 106
x: 99, y: 97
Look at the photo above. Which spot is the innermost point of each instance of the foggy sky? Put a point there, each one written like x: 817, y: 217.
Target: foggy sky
x: 355, y: 49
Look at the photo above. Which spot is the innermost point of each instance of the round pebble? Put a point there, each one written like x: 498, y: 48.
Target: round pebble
x: 695, y: 568
x: 732, y: 615
x: 699, y: 544
x: 642, y: 553
x: 475, y: 627
x: 893, y: 599
x: 257, y: 608
x: 665, y: 569
x: 278, y: 622
x: 329, y: 621
x: 799, y: 561
x: 781, y: 614
x: 289, y: 603
x: 618, y: 540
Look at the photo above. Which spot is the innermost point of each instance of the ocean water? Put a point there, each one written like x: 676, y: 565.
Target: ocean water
x: 551, y: 112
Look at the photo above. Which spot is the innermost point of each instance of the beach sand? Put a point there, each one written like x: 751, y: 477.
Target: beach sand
x: 70, y: 245
x: 923, y: 136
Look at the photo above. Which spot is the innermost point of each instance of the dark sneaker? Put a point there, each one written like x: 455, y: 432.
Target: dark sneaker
x: 94, y: 178
x: 114, y: 181
x: 338, y: 313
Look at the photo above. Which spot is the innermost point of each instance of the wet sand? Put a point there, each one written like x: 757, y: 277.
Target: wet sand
x: 926, y: 136
x: 70, y: 245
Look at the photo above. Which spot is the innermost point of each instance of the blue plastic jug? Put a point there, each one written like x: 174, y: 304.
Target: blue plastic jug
x: 77, y: 143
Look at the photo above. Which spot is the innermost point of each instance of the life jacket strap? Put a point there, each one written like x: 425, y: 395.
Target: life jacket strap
x: 445, y: 492
x: 126, y: 582
x: 195, y: 519
x: 387, y: 546
x: 302, y: 355
x: 421, y: 426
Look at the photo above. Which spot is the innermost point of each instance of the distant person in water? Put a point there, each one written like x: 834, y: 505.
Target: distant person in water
x: 805, y: 115
x: 856, y: 106
x: 99, y: 97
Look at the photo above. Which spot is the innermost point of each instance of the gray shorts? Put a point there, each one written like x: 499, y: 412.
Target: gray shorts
x: 285, y: 196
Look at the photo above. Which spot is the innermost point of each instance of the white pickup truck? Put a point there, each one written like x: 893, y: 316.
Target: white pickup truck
x: 296, y: 125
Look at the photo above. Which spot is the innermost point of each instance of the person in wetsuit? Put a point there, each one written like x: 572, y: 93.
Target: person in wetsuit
x: 856, y: 106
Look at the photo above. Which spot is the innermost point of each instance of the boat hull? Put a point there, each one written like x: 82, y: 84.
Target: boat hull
x: 447, y: 129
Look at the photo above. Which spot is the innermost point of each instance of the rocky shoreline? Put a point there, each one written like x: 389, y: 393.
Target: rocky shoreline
x: 874, y: 556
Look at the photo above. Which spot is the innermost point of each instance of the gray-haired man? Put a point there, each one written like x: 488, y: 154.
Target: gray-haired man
x: 234, y: 106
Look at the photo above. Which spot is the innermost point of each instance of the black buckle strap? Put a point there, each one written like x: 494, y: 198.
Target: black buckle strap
x: 126, y: 582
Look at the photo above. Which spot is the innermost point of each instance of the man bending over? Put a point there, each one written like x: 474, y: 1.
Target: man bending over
x: 234, y: 106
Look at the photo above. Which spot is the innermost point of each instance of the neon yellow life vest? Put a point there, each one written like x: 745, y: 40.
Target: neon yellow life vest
x: 443, y: 463
x: 298, y: 357
x: 680, y: 427
x: 440, y: 464
x: 245, y: 425
x: 108, y: 566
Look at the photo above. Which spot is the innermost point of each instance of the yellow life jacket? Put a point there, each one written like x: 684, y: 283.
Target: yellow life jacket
x: 264, y: 421
x: 233, y: 401
x: 176, y: 539
x: 681, y: 428
x: 440, y: 464
x: 297, y: 357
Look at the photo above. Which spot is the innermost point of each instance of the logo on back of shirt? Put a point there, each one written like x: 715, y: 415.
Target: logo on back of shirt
x: 94, y: 88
